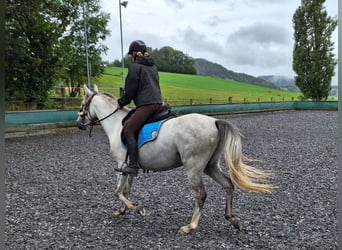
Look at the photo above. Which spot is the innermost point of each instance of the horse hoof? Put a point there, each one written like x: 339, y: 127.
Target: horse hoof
x: 236, y: 226
x: 118, y: 213
x: 234, y: 222
x: 181, y: 232
x: 141, y: 211
x: 184, y: 230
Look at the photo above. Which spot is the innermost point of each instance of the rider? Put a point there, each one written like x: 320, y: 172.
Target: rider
x: 141, y: 86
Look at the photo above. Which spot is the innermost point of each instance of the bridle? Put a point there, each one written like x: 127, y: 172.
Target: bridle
x: 84, y: 112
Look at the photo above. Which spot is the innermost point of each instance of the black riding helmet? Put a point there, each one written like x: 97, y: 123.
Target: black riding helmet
x: 137, y: 45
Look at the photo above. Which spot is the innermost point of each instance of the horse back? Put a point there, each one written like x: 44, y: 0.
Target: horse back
x: 189, y: 129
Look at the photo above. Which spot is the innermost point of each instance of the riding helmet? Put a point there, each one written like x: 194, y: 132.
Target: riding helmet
x: 137, y: 45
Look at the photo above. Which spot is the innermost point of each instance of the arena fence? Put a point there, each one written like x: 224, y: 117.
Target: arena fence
x: 23, y: 123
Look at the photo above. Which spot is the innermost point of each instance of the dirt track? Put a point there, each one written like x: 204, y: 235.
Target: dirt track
x: 60, y: 192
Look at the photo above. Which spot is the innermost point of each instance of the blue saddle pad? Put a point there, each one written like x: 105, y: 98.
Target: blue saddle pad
x: 149, y: 132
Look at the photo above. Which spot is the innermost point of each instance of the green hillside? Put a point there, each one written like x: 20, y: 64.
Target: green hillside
x: 207, y: 68
x: 179, y: 89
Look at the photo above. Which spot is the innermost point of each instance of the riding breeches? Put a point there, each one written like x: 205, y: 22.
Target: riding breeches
x: 139, y: 117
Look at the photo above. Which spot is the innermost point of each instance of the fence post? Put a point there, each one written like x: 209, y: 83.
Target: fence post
x: 211, y: 100
x: 191, y: 101
x: 63, y: 97
x: 230, y: 99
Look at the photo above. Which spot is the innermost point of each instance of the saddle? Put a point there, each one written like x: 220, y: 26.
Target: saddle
x: 163, y: 113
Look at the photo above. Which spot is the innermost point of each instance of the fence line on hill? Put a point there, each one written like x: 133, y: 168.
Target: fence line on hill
x: 61, y: 100
x: 74, y: 102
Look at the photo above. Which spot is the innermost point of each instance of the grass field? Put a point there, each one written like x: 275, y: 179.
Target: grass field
x: 183, y: 89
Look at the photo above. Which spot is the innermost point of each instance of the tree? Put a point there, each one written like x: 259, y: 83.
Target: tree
x: 313, y: 60
x: 167, y: 59
x: 73, y: 45
x: 116, y: 63
x: 44, y: 45
x: 171, y: 60
x: 31, y: 54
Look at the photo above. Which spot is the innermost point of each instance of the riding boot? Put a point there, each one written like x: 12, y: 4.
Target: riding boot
x: 132, y: 149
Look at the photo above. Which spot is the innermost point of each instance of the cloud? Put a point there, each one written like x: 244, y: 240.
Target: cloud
x: 175, y: 3
x: 263, y: 33
x: 262, y: 44
x: 214, y: 21
x: 255, y: 37
x: 200, y: 42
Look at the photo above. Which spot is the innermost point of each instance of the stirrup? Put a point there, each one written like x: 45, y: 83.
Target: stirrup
x: 127, y: 170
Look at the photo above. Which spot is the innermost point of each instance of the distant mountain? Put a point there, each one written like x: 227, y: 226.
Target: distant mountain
x: 281, y: 82
x: 206, y: 68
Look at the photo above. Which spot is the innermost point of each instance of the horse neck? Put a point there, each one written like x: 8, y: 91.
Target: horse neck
x: 111, y: 125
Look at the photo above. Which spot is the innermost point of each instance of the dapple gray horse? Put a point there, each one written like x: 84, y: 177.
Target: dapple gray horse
x: 193, y: 141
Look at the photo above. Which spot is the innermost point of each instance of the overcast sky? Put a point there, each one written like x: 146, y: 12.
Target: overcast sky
x: 247, y: 36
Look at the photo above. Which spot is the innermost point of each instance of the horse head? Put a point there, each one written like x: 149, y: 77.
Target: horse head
x: 92, y: 112
x: 86, y: 114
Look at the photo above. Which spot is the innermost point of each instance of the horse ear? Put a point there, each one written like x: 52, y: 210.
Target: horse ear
x: 96, y: 89
x: 87, y: 91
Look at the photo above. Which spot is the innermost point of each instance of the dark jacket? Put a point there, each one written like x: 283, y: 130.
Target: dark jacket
x: 142, y: 83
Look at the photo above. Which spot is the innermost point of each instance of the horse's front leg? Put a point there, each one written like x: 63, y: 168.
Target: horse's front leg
x: 200, y: 196
x: 122, y: 190
x: 121, y: 211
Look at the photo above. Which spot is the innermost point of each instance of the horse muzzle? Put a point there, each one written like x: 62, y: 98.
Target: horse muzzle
x: 80, y: 124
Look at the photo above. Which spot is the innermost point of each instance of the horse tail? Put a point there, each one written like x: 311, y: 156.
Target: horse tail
x: 242, y: 175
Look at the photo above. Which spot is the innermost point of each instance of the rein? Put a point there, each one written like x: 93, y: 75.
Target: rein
x: 93, y: 121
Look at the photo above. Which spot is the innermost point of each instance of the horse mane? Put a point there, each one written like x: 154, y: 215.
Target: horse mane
x: 113, y: 99
x: 109, y: 97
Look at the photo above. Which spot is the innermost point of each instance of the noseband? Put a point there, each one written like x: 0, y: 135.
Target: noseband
x: 84, y: 112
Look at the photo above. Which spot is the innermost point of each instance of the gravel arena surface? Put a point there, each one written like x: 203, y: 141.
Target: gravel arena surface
x: 59, y: 192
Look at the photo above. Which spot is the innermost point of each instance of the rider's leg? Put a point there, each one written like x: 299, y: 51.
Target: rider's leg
x: 137, y: 120
x: 132, y: 150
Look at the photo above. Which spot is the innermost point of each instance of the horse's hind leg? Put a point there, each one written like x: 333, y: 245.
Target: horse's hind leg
x: 215, y: 173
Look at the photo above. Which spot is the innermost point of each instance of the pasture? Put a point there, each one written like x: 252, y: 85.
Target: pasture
x: 59, y: 192
x: 177, y: 89
x: 180, y: 88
